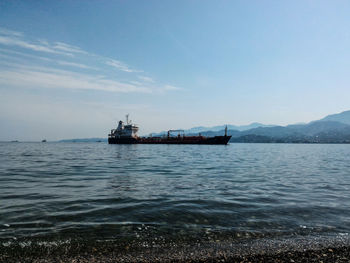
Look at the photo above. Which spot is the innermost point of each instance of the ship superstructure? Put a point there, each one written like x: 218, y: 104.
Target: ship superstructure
x: 127, y: 134
x: 124, y: 132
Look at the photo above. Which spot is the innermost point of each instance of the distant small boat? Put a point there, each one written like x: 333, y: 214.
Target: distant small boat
x: 43, y: 140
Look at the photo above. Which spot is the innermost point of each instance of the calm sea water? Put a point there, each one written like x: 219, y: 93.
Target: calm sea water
x: 97, y: 191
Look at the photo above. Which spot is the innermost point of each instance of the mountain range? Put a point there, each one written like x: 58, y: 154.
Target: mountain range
x: 333, y: 128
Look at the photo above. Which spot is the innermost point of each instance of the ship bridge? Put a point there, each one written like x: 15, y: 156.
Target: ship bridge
x: 127, y: 130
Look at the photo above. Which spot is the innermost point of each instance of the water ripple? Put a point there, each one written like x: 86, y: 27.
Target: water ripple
x: 102, y: 191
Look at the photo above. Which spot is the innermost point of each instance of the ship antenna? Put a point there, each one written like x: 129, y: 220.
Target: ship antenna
x: 127, y: 119
x: 226, y: 131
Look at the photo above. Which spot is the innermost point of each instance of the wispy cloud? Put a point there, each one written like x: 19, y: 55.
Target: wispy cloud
x: 68, y: 48
x: 14, y: 41
x: 64, y: 79
x: 73, y: 64
x: 39, y: 63
x: 17, y: 39
x: 17, y: 54
x: 8, y: 32
x: 147, y: 79
x: 120, y: 65
x: 171, y: 87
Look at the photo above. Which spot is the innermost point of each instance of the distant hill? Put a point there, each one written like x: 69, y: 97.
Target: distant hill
x: 326, y: 130
x: 316, y: 127
x: 229, y: 126
x: 202, y: 129
x: 343, y: 117
x: 333, y: 128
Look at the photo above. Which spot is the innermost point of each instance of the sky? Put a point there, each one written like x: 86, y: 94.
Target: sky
x: 72, y: 69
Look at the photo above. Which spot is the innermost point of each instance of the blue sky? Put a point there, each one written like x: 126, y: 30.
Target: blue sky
x: 74, y: 68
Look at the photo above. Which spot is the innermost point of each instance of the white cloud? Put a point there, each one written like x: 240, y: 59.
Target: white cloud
x: 11, y: 41
x: 50, y: 56
x: 8, y: 32
x: 17, y: 54
x: 170, y: 87
x: 138, y: 83
x: 147, y: 79
x: 73, y: 64
x: 13, y: 38
x: 64, y: 79
x: 120, y: 65
x: 68, y: 48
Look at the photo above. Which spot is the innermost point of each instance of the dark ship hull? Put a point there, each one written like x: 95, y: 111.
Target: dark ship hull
x: 171, y: 140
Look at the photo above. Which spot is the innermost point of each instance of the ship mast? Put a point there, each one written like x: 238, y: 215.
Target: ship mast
x: 127, y: 119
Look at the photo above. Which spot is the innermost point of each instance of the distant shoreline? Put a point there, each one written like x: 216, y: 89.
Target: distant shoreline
x: 231, y: 142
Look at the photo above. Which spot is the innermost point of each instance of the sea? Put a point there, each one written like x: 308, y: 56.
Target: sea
x: 60, y: 194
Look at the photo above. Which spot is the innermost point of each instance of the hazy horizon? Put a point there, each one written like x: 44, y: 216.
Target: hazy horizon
x: 73, y: 69
x: 188, y: 129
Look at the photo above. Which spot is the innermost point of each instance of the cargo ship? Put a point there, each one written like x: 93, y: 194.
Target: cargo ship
x: 127, y: 134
